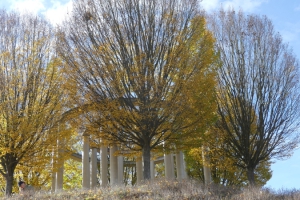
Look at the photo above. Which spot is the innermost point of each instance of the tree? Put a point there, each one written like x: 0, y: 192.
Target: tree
x: 136, y: 61
x: 257, y: 89
x: 30, y: 96
x: 224, y: 170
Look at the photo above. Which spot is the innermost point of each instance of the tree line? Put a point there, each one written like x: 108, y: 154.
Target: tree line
x: 153, y: 76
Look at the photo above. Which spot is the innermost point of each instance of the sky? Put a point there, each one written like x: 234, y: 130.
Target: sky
x: 285, y: 15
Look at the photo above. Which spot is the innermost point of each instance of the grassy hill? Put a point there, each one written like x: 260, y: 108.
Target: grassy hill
x: 165, y: 190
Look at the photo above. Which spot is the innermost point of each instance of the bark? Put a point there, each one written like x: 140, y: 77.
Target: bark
x: 9, y: 182
x: 9, y: 167
x: 146, y: 157
x: 250, y: 175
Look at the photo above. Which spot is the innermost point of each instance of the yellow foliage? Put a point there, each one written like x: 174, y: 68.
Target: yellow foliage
x: 224, y: 168
x: 31, y: 100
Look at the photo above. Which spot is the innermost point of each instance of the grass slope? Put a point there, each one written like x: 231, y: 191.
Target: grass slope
x: 165, y: 190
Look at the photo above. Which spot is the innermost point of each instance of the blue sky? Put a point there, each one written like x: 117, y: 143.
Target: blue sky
x: 285, y: 15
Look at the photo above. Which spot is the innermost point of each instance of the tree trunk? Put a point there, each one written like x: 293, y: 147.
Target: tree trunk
x: 146, y: 157
x: 250, y: 174
x: 9, y: 182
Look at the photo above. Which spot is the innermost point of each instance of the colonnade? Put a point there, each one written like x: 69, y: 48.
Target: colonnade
x: 116, y: 165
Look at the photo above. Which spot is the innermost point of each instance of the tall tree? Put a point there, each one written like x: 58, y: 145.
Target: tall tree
x: 30, y: 96
x: 258, y: 91
x: 136, y: 60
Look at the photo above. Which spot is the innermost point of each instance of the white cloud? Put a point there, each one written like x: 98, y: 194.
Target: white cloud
x: 54, y: 10
x: 210, y: 5
x: 245, y: 5
x: 32, y: 6
x: 58, y: 12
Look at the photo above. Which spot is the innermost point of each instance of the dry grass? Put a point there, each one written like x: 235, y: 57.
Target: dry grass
x: 166, y: 190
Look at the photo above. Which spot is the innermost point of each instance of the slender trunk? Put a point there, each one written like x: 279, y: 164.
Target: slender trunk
x: 146, y: 157
x: 250, y: 174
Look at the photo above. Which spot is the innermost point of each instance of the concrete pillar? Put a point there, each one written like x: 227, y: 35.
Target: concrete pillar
x: 139, y: 170
x: 207, y: 174
x: 60, y: 178
x: 184, y: 174
x: 53, y: 176
x: 120, y: 170
x: 60, y: 172
x: 94, y: 168
x: 53, y: 183
x: 180, y: 167
x: 113, y: 166
x: 169, y: 167
x: 152, y: 169
x: 86, y: 162
x: 206, y: 166
x: 104, y: 166
x: 172, y: 166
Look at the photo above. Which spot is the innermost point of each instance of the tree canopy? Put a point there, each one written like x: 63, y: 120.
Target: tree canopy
x: 258, y: 89
x: 138, y: 62
x: 30, y: 96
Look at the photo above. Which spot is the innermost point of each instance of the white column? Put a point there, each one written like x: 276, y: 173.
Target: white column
x: 207, y: 174
x: 53, y: 184
x: 169, y: 172
x: 103, y: 168
x: 180, y: 166
x: 60, y: 171
x: 206, y: 166
x: 53, y: 176
x: 59, y: 178
x: 139, y: 170
x: 86, y: 163
x: 172, y: 166
x: 94, y: 168
x: 184, y: 173
x: 113, y: 166
x: 120, y: 170
x: 152, y: 169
